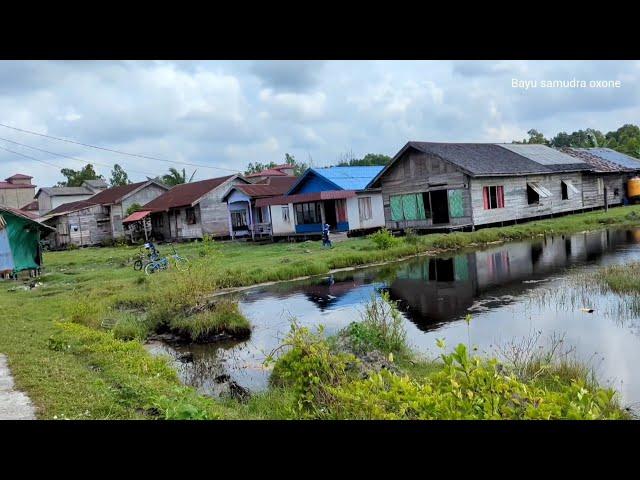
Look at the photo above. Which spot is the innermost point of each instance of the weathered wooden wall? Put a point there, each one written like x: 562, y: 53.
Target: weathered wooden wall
x: 416, y: 172
x: 94, y: 227
x: 214, y: 215
x: 516, y: 205
x: 594, y: 198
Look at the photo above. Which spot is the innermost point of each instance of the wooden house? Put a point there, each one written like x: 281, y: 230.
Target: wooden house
x: 17, y: 191
x: 429, y: 186
x: 49, y: 198
x: 248, y: 220
x: 192, y: 210
x: 610, y: 171
x: 99, y: 219
x: 334, y: 195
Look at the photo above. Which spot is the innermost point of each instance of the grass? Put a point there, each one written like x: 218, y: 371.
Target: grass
x: 93, y: 301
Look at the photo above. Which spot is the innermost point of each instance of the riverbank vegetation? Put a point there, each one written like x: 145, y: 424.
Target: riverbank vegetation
x: 355, y: 376
x: 92, y: 301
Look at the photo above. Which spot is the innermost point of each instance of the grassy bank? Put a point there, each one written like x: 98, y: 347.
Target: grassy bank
x: 92, y: 301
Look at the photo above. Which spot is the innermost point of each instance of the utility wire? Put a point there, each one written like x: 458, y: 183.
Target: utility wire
x: 73, y: 158
x: 31, y: 158
x: 115, y: 151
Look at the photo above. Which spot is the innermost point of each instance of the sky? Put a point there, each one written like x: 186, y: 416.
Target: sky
x: 225, y: 114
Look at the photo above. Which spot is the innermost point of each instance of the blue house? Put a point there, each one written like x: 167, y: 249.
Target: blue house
x: 333, y: 195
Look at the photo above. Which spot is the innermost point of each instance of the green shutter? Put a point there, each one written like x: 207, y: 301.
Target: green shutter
x: 461, y: 268
x: 456, y: 208
x: 420, y: 202
x: 410, y: 207
x: 396, y: 208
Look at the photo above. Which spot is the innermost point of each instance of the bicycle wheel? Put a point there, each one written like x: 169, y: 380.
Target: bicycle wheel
x: 182, y: 264
x: 150, y: 268
x: 137, y: 265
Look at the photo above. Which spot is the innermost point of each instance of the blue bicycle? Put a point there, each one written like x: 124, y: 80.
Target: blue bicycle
x: 157, y: 263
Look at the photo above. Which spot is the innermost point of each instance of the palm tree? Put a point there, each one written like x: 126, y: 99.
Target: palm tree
x: 174, y: 177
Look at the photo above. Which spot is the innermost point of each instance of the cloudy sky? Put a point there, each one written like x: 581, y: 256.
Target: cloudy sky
x: 226, y: 114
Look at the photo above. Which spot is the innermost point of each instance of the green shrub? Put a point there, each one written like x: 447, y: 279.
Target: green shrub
x: 383, y: 239
x: 309, y: 368
x: 381, y: 328
x: 222, y: 317
x: 411, y: 237
x: 467, y: 388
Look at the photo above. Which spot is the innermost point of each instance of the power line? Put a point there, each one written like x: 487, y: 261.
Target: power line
x: 70, y: 157
x: 115, y: 151
x: 31, y: 158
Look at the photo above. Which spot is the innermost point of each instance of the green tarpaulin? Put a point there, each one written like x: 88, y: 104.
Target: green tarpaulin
x: 419, y: 200
x: 24, y: 237
x: 456, y: 208
x: 410, y: 207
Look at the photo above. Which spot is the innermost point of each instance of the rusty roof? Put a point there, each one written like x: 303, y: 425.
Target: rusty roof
x: 305, y: 197
x: 599, y: 164
x: 185, y: 194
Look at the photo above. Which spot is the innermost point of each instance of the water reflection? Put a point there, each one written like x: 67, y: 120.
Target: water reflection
x: 495, y: 284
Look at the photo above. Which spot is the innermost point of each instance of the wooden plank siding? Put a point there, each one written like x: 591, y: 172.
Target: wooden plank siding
x: 516, y: 205
x: 418, y: 173
x: 94, y: 227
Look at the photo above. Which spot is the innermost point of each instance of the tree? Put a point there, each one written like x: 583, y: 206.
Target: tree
x: 368, y: 160
x: 298, y: 167
x: 118, y: 176
x: 174, y: 177
x: 75, y: 178
x: 258, y: 167
x: 134, y: 207
x: 535, y: 137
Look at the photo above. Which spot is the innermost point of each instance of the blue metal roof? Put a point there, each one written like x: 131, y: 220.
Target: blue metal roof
x: 615, y: 157
x: 349, y: 178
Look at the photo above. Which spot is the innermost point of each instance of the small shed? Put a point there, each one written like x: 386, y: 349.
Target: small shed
x: 20, y: 236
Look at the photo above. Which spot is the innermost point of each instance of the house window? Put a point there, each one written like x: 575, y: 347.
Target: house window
x: 239, y: 220
x: 73, y: 228
x: 568, y: 189
x: 191, y: 216
x: 285, y: 214
x: 616, y: 192
x: 493, y: 197
x: 157, y: 221
x: 535, y: 192
x: 308, y: 213
x: 364, y: 207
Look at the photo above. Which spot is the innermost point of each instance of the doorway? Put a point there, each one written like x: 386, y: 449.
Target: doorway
x: 330, y: 214
x: 440, y: 206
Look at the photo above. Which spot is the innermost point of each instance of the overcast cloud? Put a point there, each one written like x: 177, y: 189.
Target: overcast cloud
x: 226, y: 114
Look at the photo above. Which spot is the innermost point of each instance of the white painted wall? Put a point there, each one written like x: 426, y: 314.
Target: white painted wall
x: 278, y: 225
x: 377, y: 211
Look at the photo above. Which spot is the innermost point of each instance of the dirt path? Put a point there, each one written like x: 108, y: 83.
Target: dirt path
x: 14, y: 405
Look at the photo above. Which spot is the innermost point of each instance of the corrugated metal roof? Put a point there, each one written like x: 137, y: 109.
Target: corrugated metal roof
x: 597, y: 164
x: 135, y: 216
x: 615, y: 157
x: 7, y: 185
x: 305, y: 197
x: 349, y: 178
x: 70, y: 207
x: 540, y: 154
x: 184, y: 194
x: 64, y: 191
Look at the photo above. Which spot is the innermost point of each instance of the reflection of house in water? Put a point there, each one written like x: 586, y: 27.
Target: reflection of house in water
x: 433, y: 291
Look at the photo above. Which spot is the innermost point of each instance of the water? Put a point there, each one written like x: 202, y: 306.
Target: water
x: 514, y: 290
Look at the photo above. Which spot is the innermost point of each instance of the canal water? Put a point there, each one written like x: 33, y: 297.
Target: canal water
x: 513, y: 291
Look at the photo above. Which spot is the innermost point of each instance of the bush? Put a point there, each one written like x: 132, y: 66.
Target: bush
x: 411, y: 237
x: 381, y: 328
x: 222, y: 317
x: 383, y: 239
x: 131, y: 327
x: 308, y: 368
x: 468, y: 388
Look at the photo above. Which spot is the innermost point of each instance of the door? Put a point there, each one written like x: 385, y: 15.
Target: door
x: 440, y: 206
x: 330, y: 214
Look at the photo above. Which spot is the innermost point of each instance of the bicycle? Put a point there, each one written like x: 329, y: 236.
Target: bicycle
x: 145, y: 258
x: 158, y: 264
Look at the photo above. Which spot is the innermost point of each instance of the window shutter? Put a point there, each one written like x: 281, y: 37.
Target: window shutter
x: 500, y: 195
x: 485, y: 197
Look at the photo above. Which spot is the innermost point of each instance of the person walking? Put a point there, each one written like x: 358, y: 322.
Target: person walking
x: 326, y: 242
